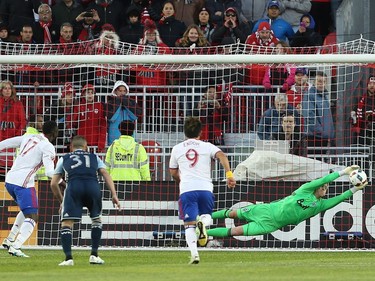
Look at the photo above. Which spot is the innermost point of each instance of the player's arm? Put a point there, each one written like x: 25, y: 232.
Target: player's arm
x: 315, y: 184
x: 175, y: 174
x: 49, y: 160
x: 231, y: 181
x: 332, y: 202
x: 109, y: 182
x: 57, y: 178
x: 173, y: 167
x: 11, y: 143
x: 111, y: 186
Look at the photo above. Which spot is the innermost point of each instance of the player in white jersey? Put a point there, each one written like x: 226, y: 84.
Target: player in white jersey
x: 35, y: 151
x: 190, y: 167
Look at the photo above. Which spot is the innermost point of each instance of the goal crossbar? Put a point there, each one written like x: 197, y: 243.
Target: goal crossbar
x: 188, y: 59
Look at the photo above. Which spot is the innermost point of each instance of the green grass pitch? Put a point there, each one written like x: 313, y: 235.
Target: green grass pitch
x: 215, y: 265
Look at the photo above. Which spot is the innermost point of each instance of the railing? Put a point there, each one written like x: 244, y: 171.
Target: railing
x: 164, y: 107
x: 163, y: 110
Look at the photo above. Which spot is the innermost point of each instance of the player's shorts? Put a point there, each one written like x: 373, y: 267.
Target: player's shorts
x: 259, y: 219
x: 81, y: 193
x: 194, y: 203
x: 26, y: 198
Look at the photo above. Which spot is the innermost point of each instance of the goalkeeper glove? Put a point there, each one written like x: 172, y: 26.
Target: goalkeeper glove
x: 349, y: 170
x: 354, y: 189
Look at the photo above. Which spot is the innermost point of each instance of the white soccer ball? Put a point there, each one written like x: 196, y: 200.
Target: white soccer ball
x: 358, y: 177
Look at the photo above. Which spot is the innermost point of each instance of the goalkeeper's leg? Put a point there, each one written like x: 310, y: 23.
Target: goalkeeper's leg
x: 226, y: 232
x: 219, y: 232
x: 223, y: 214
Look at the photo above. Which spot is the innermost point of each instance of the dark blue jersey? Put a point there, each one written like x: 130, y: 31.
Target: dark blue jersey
x: 80, y: 165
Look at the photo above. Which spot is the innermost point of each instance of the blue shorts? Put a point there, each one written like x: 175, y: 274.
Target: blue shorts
x: 25, y: 198
x: 82, y: 193
x: 194, y: 203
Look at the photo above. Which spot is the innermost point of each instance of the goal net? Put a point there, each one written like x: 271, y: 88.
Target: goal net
x: 240, y: 94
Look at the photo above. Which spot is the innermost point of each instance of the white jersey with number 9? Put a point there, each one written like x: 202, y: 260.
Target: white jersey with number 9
x: 193, y: 158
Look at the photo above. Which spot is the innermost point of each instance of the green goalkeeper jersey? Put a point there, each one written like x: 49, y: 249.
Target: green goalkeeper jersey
x: 302, y: 203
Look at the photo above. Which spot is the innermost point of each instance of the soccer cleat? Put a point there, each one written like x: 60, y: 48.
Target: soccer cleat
x: 194, y: 260
x: 16, y: 252
x: 7, y: 243
x: 95, y: 260
x: 202, y: 234
x: 67, y: 263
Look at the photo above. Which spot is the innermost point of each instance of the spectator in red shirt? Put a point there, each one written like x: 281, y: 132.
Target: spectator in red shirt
x: 88, y: 119
x: 213, y: 112
x: 363, y: 114
x: 259, y: 42
x: 60, y: 110
x: 264, y: 36
x: 12, y: 118
x: 280, y: 75
x: 108, y: 44
x: 151, y: 43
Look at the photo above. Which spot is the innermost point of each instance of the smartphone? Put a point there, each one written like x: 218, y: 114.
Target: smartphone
x: 302, y: 24
x: 88, y: 15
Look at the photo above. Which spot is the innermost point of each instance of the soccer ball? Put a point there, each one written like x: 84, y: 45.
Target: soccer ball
x: 358, y: 177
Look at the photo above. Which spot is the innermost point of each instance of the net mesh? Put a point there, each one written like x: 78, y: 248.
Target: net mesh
x: 161, y: 96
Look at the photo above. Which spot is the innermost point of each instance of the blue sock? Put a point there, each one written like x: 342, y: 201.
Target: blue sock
x: 96, y: 235
x: 66, y: 242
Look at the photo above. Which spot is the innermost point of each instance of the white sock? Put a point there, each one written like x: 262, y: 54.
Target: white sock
x: 206, y: 219
x: 16, y: 226
x: 191, y: 240
x: 26, y: 230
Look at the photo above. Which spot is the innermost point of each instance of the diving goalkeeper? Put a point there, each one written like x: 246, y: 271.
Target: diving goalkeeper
x: 305, y: 202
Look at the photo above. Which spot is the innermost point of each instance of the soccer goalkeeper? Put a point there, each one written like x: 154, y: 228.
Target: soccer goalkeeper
x: 303, y: 203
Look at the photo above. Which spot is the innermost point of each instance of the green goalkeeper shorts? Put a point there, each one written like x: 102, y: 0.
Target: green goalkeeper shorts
x: 259, y: 219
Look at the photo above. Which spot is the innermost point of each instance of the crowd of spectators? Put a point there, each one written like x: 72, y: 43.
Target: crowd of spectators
x: 226, y: 21
x: 166, y: 27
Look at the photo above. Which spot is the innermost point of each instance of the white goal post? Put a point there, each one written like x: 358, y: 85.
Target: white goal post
x: 331, y: 59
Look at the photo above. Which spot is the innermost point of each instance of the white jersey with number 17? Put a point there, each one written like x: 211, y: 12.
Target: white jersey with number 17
x: 35, y: 151
x: 193, y: 159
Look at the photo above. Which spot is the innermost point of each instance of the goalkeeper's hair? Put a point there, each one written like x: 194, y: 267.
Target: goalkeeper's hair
x: 192, y: 127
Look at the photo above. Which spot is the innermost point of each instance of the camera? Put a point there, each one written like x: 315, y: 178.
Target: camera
x: 88, y: 15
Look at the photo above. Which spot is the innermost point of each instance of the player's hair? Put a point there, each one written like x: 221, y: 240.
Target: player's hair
x: 126, y: 128
x: 49, y: 127
x: 79, y: 142
x: 192, y: 127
